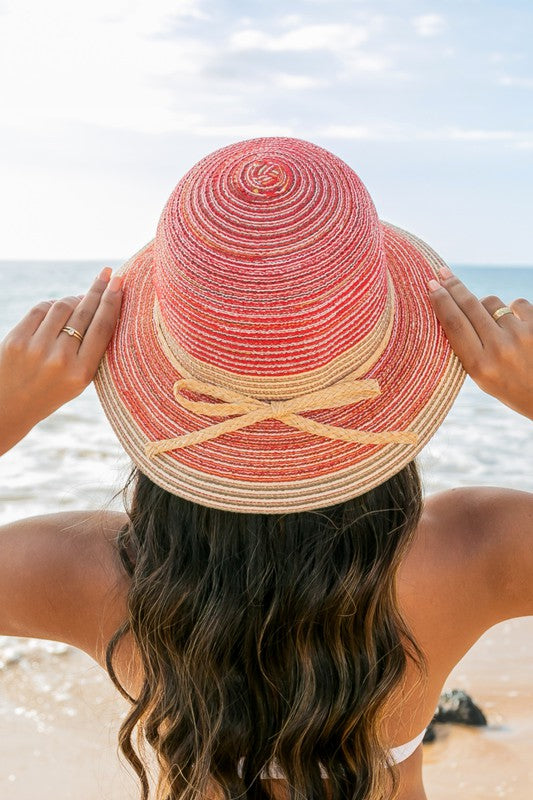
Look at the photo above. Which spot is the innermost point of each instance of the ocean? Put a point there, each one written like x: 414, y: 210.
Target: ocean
x: 72, y: 460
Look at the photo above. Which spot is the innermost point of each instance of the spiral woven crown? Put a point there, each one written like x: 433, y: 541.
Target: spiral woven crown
x: 269, y: 260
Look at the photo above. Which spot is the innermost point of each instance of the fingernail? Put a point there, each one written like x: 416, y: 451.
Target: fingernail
x: 105, y: 273
x: 444, y: 272
x: 433, y: 284
x: 115, y: 284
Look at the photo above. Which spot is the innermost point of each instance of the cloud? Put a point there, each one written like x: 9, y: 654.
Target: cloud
x: 356, y: 63
x: 284, y: 80
x: 510, y: 80
x: 330, y: 36
x: 241, y: 132
x: 429, y: 24
x: 290, y: 20
x: 518, y: 139
x: 479, y: 135
x: 341, y: 41
x: 359, y: 132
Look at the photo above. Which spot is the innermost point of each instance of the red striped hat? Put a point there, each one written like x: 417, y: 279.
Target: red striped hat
x: 276, y: 349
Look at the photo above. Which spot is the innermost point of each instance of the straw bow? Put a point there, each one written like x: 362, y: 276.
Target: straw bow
x: 251, y: 410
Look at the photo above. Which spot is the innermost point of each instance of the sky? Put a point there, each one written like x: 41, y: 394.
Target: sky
x: 105, y: 105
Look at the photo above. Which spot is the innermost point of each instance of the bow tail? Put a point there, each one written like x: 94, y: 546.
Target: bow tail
x: 205, y: 434
x: 350, y: 434
x: 295, y: 420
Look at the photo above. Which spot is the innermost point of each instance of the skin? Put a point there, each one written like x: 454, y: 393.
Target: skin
x: 471, y: 552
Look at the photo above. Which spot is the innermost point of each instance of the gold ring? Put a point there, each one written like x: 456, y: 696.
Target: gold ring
x: 501, y: 311
x: 72, y: 332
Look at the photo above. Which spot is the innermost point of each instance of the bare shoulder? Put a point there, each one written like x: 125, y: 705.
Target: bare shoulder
x: 484, y: 536
x: 60, y: 576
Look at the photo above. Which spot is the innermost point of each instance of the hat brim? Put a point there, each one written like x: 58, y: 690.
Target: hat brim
x: 270, y: 467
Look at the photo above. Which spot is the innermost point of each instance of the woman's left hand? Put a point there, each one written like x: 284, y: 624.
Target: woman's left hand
x: 43, y: 367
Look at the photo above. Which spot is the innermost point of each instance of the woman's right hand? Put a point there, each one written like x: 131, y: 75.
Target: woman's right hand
x: 497, y: 354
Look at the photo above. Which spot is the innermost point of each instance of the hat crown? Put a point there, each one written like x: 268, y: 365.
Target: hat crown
x: 269, y: 259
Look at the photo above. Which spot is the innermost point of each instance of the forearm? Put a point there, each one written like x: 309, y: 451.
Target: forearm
x: 41, y: 368
x: 13, y: 428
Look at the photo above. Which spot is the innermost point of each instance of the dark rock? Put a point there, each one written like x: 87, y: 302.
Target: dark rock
x: 458, y: 707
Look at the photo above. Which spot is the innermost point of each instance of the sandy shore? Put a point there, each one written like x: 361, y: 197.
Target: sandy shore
x: 59, y: 717
x: 495, y: 761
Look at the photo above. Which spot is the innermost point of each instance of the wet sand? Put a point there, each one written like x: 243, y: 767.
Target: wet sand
x: 60, y: 714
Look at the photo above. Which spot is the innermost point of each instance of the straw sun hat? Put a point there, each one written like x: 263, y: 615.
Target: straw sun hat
x: 276, y: 349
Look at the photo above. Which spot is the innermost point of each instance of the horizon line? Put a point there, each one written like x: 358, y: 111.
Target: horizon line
x: 119, y: 262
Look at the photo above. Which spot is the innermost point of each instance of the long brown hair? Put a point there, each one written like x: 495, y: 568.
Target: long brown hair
x: 266, y: 637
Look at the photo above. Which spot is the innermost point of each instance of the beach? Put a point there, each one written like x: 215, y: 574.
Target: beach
x: 60, y: 719
x: 59, y: 712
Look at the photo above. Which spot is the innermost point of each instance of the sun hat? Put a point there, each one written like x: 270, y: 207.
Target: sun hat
x: 276, y: 349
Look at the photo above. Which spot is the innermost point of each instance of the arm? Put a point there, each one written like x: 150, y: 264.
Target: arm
x: 502, y: 522
x: 58, y: 580
x: 51, y: 566
x: 498, y: 355
x: 487, y: 531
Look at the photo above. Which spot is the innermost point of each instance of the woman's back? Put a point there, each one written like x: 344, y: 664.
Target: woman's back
x: 468, y: 567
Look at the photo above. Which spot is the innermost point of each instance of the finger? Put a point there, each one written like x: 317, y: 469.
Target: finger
x: 522, y: 308
x: 31, y: 321
x: 102, y: 325
x: 492, y: 303
x: 85, y: 310
x: 479, y: 317
x: 460, y: 332
x: 57, y: 316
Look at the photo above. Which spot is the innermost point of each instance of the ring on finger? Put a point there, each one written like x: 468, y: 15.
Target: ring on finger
x: 72, y: 332
x: 501, y: 311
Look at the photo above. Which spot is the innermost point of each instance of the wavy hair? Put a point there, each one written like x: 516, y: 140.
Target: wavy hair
x: 265, y: 637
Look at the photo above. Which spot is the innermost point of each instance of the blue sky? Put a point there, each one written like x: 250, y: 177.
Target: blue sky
x: 107, y: 104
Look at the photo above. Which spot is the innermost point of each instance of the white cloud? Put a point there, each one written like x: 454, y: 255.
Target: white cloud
x: 367, y: 62
x: 290, y: 19
x: 343, y: 41
x: 520, y: 140
x: 429, y: 24
x: 245, y: 131
x: 287, y: 81
x: 497, y: 57
x: 349, y: 132
x: 510, y: 80
x: 480, y: 135
x: 408, y: 133
x: 331, y: 36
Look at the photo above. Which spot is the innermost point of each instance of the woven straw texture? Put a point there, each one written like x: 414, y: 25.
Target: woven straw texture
x: 276, y: 349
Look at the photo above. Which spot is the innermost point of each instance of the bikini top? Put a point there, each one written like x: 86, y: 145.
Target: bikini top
x: 398, y: 754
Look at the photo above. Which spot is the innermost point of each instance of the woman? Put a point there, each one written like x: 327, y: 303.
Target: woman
x: 279, y: 603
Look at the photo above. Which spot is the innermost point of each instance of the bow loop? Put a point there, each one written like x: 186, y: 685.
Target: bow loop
x: 251, y: 410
